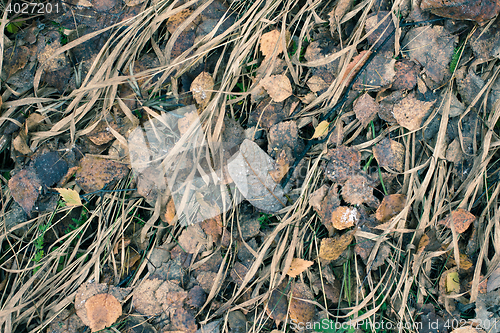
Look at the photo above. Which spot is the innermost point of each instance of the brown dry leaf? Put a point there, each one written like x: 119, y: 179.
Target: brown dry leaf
x: 192, y: 238
x: 267, y: 113
x: 429, y: 242
x: 25, y: 187
x: 298, y: 266
x: 358, y: 190
x: 433, y: 48
x: 95, y: 173
x: 238, y: 273
x: 343, y: 162
x: 460, y: 218
x: 121, y: 244
x: 101, y: 133
x: 344, y: 217
x: 19, y: 144
x: 454, y: 151
x: 283, y: 136
x: 185, y: 122
x: 170, y: 212
x: 213, y: 227
x: 277, y: 304
x: 206, y: 280
x: 332, y: 248
x: 410, y: 111
x: 390, y: 154
x: 281, y: 168
x: 468, y: 329
x: 196, y: 297
x: 391, y: 206
x: 184, y: 321
x: 144, y: 299
x: 478, y: 11
x: 406, y: 75
x: 382, y: 32
x: 340, y: 10
x: 379, y: 74
x: 328, y: 206
x: 270, y: 43
x: 102, y: 311
x: 278, y: 87
x: 202, y: 87
x: 171, y: 296
x: 50, y: 168
x: 317, y: 197
x: 465, y: 262
x: 15, y: 58
x: 301, y: 311
x: 365, y: 109
x: 176, y: 20
x: 316, y: 83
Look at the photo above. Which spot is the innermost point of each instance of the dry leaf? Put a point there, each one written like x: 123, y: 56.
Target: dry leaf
x: 278, y: 87
x: 202, y: 87
x: 298, y: 266
x: 317, y: 84
x: 270, y: 43
x: 249, y: 170
x: 365, y: 109
x: 410, y: 111
x: 317, y: 196
x: 478, y: 11
x: 391, y: 206
x: 25, y: 187
x: 170, y: 212
x: 95, y: 173
x: 344, y: 217
x: 277, y: 304
x: 189, y: 119
x: 102, y: 311
x: 460, y: 218
x: 332, y: 248
x: 379, y: 74
x: 321, y: 129
x: 70, y: 196
x: 344, y: 162
x: 19, y: 144
x: 191, y: 238
x: 301, y: 311
x: 357, y: 190
x: 328, y: 207
x: 390, y: 154
x: 354, y: 66
x: 282, y: 166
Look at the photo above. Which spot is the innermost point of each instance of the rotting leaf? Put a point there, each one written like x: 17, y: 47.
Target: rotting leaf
x: 300, y: 310
x: 460, y: 218
x: 433, y: 48
x: 283, y: 136
x: 379, y: 74
x: 70, y: 196
x: 202, y: 87
x: 267, y: 113
x: 277, y: 86
x: 358, y: 190
x: 298, y: 266
x: 332, y: 248
x: 213, y: 227
x: 343, y: 162
x: 328, y: 206
x: 317, y: 84
x: 406, y: 75
x: 50, y: 168
x: 277, y: 304
x: 183, y: 320
x: 250, y: 171
x: 144, y: 299
x: 391, y: 206
x: 95, y: 173
x: 478, y: 11
x: 19, y: 144
x: 196, y: 297
x: 317, y: 197
x: 385, y: 28
x: 25, y: 188
x: 192, y: 237
x: 365, y: 109
x: 390, y: 154
x: 282, y: 167
x: 410, y: 111
x: 102, y: 311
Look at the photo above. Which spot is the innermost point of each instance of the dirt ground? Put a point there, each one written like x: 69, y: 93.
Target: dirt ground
x: 236, y: 166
